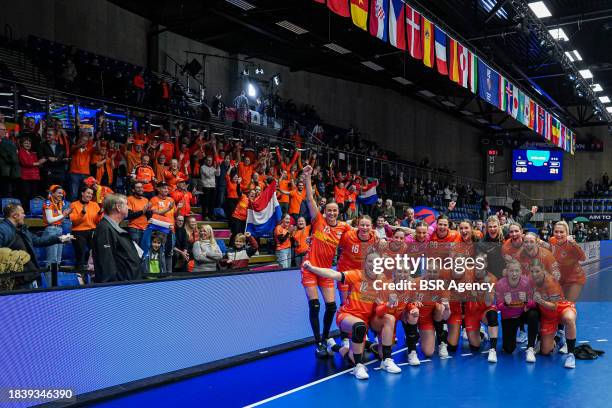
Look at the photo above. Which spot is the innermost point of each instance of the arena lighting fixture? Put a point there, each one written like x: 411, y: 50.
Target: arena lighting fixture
x: 448, y: 103
x: 558, y: 34
x: 604, y: 99
x: 245, y: 72
x: 31, y: 97
x: 577, y: 55
x: 251, y: 91
x: 259, y: 71
x: 6, y: 94
x: 481, y: 120
x: 372, y: 65
x: 586, y: 73
x: 241, y: 4
x: 596, y: 88
x: 427, y: 93
x: 488, y: 6
x: 277, y: 79
x: 466, y: 113
x: 609, y: 109
x: 402, y: 80
x: 292, y: 27
x: 540, y: 9
x: 336, y: 48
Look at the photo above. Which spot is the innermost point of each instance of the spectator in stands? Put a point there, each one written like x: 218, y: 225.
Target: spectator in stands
x: 139, y: 212
x: 297, y: 196
x: 100, y: 192
x: 15, y: 235
x: 144, y: 174
x: 185, y: 238
x: 389, y: 211
x: 589, y: 186
x: 115, y: 256
x: 9, y: 163
x: 221, y: 181
x: 605, y: 180
x: 55, y: 210
x: 208, y: 173
x: 241, y: 103
x: 80, y: 159
x: 282, y: 237
x: 163, y: 209
x: 206, y: 252
x: 69, y: 75
x: 29, y: 131
x: 183, y: 198
x: 54, y: 168
x: 138, y: 82
x: 409, y: 221
x: 239, y: 216
x: 165, y: 95
x: 300, y: 240
x: 102, y: 165
x: 85, y: 216
x: 580, y: 233
x: 218, y: 107
x: 154, y: 262
x: 238, y: 256
x: 30, y: 172
x: 378, y: 210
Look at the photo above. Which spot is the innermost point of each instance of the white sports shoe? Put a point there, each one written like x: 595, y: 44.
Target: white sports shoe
x: 389, y: 366
x: 570, y: 361
x: 464, y: 334
x: 360, y: 372
x: 521, y: 337
x: 330, y: 343
x: 346, y: 343
x: 563, y: 348
x: 413, y: 359
x: 530, y: 358
x: 492, y: 356
x: 442, y: 350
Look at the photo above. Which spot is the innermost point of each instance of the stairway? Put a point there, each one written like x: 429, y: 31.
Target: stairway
x: 23, y: 69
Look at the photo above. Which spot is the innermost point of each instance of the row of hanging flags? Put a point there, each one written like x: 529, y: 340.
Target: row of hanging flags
x: 402, y: 26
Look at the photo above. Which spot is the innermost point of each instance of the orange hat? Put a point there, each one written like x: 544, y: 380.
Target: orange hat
x: 180, y: 180
x: 54, y: 188
x: 139, y: 142
x: 90, y: 181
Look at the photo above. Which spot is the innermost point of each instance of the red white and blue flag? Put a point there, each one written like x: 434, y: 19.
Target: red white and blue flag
x: 264, y: 212
x: 397, y: 24
x: 379, y: 15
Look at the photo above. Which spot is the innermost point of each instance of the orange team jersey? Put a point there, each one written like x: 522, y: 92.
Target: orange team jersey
x: 278, y: 232
x: 325, y: 240
x: 353, y: 197
x: 161, y: 204
x: 136, y: 204
x: 171, y: 178
x: 81, y: 159
x: 300, y: 240
x: 87, y: 221
x: 185, y: 197
x: 284, y: 185
x: 167, y: 149
x: 132, y: 159
x: 551, y: 291
x: 510, y: 250
x: 545, y: 256
x: 476, y: 307
x: 465, y: 248
x: 146, y: 175
x: 340, y: 194
x: 441, y: 247
x: 232, y: 187
x: 362, y: 299
x: 353, y: 250
x: 246, y: 173
x: 478, y: 233
x: 56, y: 210
x: 240, y: 213
x: 295, y: 200
x: 568, y: 256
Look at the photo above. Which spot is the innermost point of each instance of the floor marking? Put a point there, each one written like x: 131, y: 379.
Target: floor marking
x: 583, y: 341
x: 291, y: 391
x: 263, y: 352
x: 445, y: 358
x: 601, y: 340
x: 466, y: 354
x: 601, y: 270
x: 426, y: 360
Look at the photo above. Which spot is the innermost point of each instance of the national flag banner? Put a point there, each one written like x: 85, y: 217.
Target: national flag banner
x: 514, y: 108
x: 413, y: 29
x: 509, y: 91
x: 526, y: 110
x: 397, y: 24
x: 573, y: 149
x: 521, y: 105
x: 488, y: 84
x: 359, y: 13
x: 368, y: 194
x: 463, y: 57
x: 440, y: 38
x: 539, y: 127
x: 428, y: 42
x: 320, y: 1
x: 503, y: 94
x: 264, y: 213
x: 532, y: 114
x: 562, y: 132
x: 379, y: 15
x: 473, y: 71
x: 548, y: 126
x: 555, y: 128
x: 340, y: 7
x: 453, y: 60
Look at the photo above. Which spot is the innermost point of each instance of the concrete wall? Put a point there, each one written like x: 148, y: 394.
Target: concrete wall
x: 94, y: 25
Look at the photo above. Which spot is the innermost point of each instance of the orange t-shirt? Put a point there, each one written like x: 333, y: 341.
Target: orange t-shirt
x: 184, y: 197
x: 161, y: 204
x: 278, y: 232
x: 568, y: 256
x: 87, y: 221
x: 146, y: 174
x: 441, y: 247
x: 284, y: 185
x: 325, y: 240
x: 240, y: 213
x: 295, y: 200
x: 232, y: 187
x: 167, y: 149
x: 138, y: 204
x: 551, y: 291
x: 81, y: 159
x: 353, y: 250
x: 299, y: 238
x: 340, y: 194
x: 545, y: 256
x: 246, y: 173
x: 56, y: 210
x: 171, y: 178
x: 362, y: 298
x: 510, y: 250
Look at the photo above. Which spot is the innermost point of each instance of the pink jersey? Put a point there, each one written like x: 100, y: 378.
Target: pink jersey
x: 516, y: 306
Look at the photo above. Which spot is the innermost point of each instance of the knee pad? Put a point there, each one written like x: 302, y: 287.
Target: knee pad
x: 330, y: 307
x: 492, y: 318
x: 314, y: 306
x: 474, y: 349
x: 451, y: 348
x: 359, y: 332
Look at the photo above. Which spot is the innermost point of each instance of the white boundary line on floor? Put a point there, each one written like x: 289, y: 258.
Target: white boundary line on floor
x: 291, y: 391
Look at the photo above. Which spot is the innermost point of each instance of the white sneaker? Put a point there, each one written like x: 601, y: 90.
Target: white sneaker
x: 530, y: 358
x: 563, y: 348
x: 346, y: 343
x: 464, y: 334
x: 330, y: 343
x: 570, y: 361
x: 360, y: 372
x: 413, y: 359
x: 492, y: 356
x: 442, y: 350
x: 389, y: 366
x: 521, y: 337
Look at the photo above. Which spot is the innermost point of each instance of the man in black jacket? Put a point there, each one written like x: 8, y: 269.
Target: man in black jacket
x: 116, y: 257
x: 54, y: 169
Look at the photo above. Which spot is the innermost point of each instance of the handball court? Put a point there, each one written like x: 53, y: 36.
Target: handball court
x: 297, y: 379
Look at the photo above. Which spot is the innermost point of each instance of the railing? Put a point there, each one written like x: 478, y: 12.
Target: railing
x: 48, y: 102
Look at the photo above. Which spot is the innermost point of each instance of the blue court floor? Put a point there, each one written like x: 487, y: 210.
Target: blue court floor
x: 297, y: 379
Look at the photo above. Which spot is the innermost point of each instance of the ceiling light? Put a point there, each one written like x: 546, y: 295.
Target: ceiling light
x: 427, y: 93
x: 292, y: 27
x: 609, y: 109
x: 372, y: 65
x: 569, y: 56
x: 596, y: 88
x: 577, y: 55
x: 466, y: 113
x: 482, y: 120
x: 335, y: 47
x: 586, y: 73
x: 402, y: 80
x: 604, y: 99
x: 558, y: 34
x: 448, y: 103
x: 540, y: 9
x: 241, y: 4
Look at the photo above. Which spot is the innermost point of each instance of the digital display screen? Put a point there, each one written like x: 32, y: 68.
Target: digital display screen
x: 538, y: 165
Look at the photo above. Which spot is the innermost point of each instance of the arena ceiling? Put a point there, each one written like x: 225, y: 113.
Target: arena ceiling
x: 497, y: 29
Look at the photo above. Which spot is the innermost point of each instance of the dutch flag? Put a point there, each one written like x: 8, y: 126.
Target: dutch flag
x: 264, y: 213
x: 369, y: 195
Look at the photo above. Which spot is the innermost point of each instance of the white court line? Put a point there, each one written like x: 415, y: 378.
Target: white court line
x: 601, y: 340
x: 601, y: 270
x: 291, y: 391
x: 583, y: 341
x: 466, y: 354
